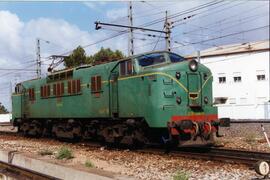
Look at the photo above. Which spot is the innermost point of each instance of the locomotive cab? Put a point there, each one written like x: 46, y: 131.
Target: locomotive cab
x: 181, y: 97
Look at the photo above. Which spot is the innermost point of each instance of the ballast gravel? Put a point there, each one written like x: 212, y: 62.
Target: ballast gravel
x: 131, y: 163
x: 247, y: 136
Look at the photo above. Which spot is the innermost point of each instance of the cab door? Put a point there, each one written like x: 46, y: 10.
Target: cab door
x: 114, y: 102
x: 25, y: 103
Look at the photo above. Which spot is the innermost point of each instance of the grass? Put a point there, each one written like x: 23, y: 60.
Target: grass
x: 250, y: 138
x: 181, y: 175
x: 64, y: 153
x: 45, y: 152
x: 89, y: 164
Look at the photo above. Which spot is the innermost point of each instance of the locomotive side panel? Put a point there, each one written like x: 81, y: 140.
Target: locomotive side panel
x: 86, y: 103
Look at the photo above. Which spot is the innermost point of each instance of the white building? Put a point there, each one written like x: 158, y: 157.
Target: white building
x: 240, y: 73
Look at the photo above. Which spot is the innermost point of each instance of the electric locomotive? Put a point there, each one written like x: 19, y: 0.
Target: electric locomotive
x: 155, y: 97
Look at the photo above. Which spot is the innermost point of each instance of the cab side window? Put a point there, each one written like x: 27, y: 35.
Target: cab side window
x: 96, y: 83
x: 31, y: 94
x: 18, y: 89
x: 126, y: 68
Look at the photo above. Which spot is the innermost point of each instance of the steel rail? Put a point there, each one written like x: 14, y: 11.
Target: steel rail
x: 5, y: 124
x: 247, y: 121
x: 216, y: 154
x: 244, y: 156
x: 207, y: 153
x: 22, y: 173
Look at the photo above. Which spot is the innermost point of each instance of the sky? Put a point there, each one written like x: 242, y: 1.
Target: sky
x: 62, y: 26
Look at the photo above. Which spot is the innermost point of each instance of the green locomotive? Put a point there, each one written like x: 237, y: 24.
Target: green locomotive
x: 151, y: 97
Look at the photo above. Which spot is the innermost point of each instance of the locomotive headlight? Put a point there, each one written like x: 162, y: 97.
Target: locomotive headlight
x: 205, y: 76
x: 177, y: 75
x: 193, y: 65
x: 178, y: 100
x: 205, y: 100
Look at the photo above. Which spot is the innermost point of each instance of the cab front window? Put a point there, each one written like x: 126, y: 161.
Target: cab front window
x: 151, y: 59
x: 175, y: 58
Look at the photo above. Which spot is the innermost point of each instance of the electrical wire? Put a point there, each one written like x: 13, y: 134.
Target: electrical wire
x: 224, y: 36
x: 225, y: 19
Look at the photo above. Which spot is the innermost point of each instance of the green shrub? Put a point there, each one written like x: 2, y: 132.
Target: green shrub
x: 89, y: 164
x: 64, y: 153
x: 181, y: 175
x: 250, y: 138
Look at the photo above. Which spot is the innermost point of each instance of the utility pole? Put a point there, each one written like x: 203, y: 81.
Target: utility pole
x: 168, y: 32
x: 38, y: 61
x: 130, y: 37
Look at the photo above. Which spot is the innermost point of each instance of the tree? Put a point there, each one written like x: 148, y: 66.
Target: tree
x: 78, y: 57
x: 107, y: 55
x: 3, y: 110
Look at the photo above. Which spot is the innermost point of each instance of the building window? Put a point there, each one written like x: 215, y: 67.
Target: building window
x: 126, y: 68
x: 237, y: 79
x: 96, y: 83
x: 261, y: 100
x: 222, y: 80
x: 261, y: 77
x: 232, y: 101
x: 243, y: 100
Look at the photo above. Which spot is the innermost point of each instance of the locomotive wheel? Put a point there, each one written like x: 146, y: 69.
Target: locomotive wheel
x: 206, y: 130
x: 67, y: 132
x: 35, y: 129
x: 139, y: 139
x: 24, y: 128
x: 77, y: 133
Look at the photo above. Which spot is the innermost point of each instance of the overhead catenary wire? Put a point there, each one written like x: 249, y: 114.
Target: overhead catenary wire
x: 115, y: 35
x: 1, y: 69
x: 5, y: 74
x: 224, y: 20
x: 239, y: 22
x: 224, y: 36
x: 147, y: 24
x: 212, y: 11
x: 184, y: 12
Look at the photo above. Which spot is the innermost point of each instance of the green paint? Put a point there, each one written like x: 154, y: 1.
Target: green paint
x: 149, y: 93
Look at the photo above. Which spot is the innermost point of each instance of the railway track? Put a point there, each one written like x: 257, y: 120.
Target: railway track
x: 227, y: 155
x: 249, y: 122
x: 214, y: 153
x: 18, y: 172
x: 5, y: 124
